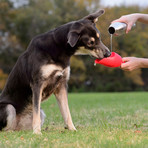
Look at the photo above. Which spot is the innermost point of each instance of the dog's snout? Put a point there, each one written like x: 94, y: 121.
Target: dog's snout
x: 107, y: 54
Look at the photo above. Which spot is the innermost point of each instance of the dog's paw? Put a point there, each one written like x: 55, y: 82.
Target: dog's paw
x: 37, y: 132
x: 71, y: 128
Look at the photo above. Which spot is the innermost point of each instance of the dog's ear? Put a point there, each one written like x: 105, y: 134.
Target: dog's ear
x: 73, y: 38
x: 74, y: 34
x: 94, y: 16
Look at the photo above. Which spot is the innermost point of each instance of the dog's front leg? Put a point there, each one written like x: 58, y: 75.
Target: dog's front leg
x: 37, y: 96
x: 62, y: 99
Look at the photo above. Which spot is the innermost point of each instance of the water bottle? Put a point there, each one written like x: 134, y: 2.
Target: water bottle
x: 118, y: 28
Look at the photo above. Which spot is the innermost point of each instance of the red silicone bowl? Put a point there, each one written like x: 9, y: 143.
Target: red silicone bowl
x: 114, y: 60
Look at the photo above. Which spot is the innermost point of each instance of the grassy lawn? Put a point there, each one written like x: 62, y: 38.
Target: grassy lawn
x: 103, y: 120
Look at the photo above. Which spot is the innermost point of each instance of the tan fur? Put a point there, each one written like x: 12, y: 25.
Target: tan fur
x: 92, y: 39
x: 98, y: 35
x: 36, y: 124
x: 48, y: 69
x: 67, y: 72
x: 62, y: 99
x: 24, y: 119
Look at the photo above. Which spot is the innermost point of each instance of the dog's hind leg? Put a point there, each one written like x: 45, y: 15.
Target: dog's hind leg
x: 25, y: 119
x: 11, y: 118
x: 62, y: 99
x: 7, y: 117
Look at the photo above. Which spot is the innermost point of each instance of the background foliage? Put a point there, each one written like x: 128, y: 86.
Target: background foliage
x: 19, y: 24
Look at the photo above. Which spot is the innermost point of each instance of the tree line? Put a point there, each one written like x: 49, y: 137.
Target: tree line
x: 18, y: 25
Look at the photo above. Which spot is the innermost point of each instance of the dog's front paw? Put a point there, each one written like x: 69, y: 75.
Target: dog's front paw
x: 37, y: 132
x: 71, y: 128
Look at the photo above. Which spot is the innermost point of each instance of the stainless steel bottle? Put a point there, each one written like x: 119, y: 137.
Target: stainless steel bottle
x: 118, y: 28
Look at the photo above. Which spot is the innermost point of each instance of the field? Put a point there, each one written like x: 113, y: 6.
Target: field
x: 103, y: 120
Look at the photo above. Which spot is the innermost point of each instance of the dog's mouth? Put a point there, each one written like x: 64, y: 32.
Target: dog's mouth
x: 98, y: 54
x: 94, y: 53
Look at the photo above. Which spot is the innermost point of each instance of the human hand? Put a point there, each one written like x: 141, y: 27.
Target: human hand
x: 131, y: 63
x: 128, y: 19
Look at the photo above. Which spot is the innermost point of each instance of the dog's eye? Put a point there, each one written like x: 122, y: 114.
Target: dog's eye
x: 92, y: 42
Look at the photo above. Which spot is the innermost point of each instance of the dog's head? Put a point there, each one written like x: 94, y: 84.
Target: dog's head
x: 84, y: 33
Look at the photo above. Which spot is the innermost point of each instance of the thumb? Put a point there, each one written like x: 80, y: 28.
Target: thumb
x: 125, y: 59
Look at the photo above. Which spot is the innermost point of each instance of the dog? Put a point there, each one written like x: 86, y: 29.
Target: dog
x: 44, y: 69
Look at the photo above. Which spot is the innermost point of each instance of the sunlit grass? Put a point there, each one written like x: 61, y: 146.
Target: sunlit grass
x: 103, y: 120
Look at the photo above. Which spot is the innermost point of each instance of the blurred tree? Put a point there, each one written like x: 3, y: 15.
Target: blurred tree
x: 78, y: 73
x: 18, y: 25
x: 10, y: 48
x: 26, y: 21
x: 3, y: 78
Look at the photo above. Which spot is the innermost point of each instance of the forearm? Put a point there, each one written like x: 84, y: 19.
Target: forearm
x: 144, y: 63
x: 132, y: 63
x: 143, y: 18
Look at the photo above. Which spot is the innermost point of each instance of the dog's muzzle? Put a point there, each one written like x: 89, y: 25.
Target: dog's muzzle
x: 107, y: 54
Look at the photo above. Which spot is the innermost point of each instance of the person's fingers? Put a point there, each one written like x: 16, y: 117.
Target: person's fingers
x: 125, y: 66
x: 125, y: 59
x: 121, y: 19
x: 117, y: 20
x: 129, y: 26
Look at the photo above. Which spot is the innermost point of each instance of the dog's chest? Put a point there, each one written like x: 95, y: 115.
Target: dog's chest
x: 53, y: 76
x: 53, y: 71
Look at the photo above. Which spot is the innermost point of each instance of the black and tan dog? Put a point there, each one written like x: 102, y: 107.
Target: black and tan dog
x: 44, y: 69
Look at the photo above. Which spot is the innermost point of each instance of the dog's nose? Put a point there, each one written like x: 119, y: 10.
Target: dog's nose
x: 107, y: 54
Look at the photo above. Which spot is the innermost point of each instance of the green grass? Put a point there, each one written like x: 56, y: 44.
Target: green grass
x: 103, y: 120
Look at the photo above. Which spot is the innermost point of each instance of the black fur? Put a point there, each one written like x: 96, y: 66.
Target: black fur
x: 3, y: 116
